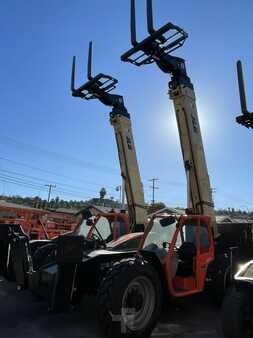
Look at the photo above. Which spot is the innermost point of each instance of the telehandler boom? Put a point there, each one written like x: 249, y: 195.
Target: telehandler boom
x: 157, y: 48
x: 99, y: 87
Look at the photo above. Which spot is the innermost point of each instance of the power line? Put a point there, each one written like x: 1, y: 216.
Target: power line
x: 63, y: 192
x: 36, y: 186
x: 39, y: 186
x: 19, y: 184
x: 70, y: 159
x: 52, y: 173
x: 46, y: 180
x: 19, y: 180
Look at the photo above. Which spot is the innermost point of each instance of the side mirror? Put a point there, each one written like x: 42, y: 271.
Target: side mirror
x: 167, y: 221
x: 89, y: 222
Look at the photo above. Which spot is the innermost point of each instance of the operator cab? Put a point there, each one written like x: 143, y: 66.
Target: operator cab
x: 104, y: 227
x: 158, y: 240
x: 184, y: 246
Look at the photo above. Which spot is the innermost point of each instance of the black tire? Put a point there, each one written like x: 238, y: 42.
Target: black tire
x: 117, y: 295
x: 218, y: 287
x: 44, y: 255
x: 237, y: 315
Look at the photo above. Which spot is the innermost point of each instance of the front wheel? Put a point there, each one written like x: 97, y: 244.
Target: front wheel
x: 237, y: 315
x: 129, y: 299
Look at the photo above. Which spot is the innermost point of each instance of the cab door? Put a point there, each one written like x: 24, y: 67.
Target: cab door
x: 192, y: 245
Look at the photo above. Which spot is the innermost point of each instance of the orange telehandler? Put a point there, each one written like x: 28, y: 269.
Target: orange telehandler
x: 177, y: 255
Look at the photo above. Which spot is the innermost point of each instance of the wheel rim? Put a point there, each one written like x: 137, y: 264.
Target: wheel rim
x: 138, y: 303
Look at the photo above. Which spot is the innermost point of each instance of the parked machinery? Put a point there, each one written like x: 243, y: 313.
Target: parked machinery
x: 22, y: 225
x: 176, y: 255
x: 21, y: 257
x: 37, y: 223
x: 62, y: 266
x: 237, y: 308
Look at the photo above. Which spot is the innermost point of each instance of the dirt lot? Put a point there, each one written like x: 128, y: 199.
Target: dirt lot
x: 22, y: 316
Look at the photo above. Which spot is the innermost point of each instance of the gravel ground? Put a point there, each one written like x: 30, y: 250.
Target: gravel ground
x: 23, y: 316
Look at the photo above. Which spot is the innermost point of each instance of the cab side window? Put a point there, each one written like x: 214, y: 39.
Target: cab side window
x: 104, y: 228
x: 204, y: 239
x: 190, y: 235
x: 120, y: 226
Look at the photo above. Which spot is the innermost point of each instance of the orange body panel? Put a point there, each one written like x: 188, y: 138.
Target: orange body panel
x: 36, y: 223
x: 186, y: 284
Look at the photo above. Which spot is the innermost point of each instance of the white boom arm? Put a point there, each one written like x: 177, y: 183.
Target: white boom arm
x: 157, y: 48
x: 199, y: 187
x: 129, y: 169
x: 99, y: 87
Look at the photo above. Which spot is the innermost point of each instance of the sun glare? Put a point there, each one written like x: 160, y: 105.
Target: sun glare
x: 167, y: 128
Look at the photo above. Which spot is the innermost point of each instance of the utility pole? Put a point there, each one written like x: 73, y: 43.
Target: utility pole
x: 153, y: 187
x: 50, y: 186
x: 118, y: 188
x: 121, y: 189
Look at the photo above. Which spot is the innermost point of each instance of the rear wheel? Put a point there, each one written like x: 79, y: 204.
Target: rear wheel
x: 237, y: 315
x: 129, y: 300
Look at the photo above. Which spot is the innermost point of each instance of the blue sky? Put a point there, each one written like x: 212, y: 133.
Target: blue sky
x: 46, y: 136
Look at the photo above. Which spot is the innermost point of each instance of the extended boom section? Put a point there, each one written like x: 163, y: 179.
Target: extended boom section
x: 157, y: 47
x: 199, y: 188
x: 129, y: 169
x: 99, y: 87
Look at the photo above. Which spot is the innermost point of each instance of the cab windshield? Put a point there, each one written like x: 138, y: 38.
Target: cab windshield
x: 83, y: 228
x: 160, y: 236
x: 103, y: 229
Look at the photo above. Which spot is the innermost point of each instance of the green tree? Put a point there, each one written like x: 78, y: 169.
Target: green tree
x: 102, y: 193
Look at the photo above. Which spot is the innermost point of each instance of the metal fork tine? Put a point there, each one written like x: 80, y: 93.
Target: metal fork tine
x: 241, y: 87
x: 150, y: 24
x: 73, y: 74
x: 89, y: 65
x: 133, y: 24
